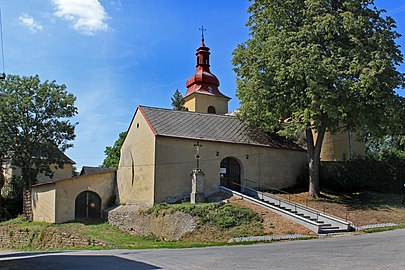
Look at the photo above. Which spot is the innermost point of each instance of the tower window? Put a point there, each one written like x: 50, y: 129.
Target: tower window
x: 211, y: 109
x: 198, y: 60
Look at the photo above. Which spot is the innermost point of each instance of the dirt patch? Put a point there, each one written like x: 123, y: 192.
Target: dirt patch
x: 164, y: 225
x: 360, y: 208
x: 273, y: 223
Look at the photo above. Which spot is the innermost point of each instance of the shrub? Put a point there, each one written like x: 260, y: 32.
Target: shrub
x: 360, y: 174
x: 221, y: 214
x: 10, y: 208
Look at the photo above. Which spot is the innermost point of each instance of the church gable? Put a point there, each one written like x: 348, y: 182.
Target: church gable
x: 135, y: 172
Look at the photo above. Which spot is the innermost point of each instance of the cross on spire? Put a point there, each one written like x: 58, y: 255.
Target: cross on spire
x: 202, y: 29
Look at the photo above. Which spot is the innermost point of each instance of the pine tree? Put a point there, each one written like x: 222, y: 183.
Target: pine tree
x: 178, y: 101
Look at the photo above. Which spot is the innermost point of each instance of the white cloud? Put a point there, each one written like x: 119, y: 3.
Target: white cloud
x: 116, y: 4
x: 86, y: 16
x: 30, y: 22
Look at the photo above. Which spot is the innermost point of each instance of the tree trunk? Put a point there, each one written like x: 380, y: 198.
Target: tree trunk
x: 28, y: 176
x: 2, y: 178
x: 2, y: 182
x: 27, y: 204
x: 313, y: 157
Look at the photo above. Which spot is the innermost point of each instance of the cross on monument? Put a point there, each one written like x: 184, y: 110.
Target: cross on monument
x: 197, y: 156
x: 202, y: 32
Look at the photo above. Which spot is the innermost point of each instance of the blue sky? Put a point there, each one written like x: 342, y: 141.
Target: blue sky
x: 114, y: 55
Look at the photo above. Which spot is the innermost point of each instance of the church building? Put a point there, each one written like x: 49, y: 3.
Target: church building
x: 164, y: 146
x: 158, y: 154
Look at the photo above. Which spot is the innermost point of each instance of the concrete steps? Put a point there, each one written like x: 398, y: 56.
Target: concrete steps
x: 308, y: 217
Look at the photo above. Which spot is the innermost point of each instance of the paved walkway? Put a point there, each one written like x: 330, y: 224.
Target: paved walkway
x: 384, y: 250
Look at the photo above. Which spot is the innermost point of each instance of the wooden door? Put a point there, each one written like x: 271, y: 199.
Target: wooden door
x: 230, y: 173
x: 88, y: 206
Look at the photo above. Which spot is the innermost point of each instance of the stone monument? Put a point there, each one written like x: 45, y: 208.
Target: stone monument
x: 197, y: 186
x: 197, y: 180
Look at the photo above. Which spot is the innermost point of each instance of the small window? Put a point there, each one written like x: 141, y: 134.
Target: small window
x: 211, y: 109
x: 198, y: 60
x: 137, y: 125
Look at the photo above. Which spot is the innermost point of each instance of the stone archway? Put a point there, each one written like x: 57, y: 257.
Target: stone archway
x: 87, y: 206
x: 230, y: 172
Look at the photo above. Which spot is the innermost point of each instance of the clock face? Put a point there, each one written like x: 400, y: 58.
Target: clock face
x: 210, y: 89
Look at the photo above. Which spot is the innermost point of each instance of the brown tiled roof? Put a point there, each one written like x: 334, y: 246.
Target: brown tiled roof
x: 74, y: 178
x: 55, y: 153
x: 87, y: 170
x: 211, y: 127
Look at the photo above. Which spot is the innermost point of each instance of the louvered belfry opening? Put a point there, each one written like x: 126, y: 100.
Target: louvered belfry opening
x: 230, y: 173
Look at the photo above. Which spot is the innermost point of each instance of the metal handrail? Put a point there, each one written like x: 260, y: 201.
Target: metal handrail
x: 279, y: 190
x: 297, y: 196
x: 296, y: 205
x: 281, y: 199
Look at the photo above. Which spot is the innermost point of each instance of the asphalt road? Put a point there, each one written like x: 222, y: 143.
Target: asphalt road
x: 384, y: 250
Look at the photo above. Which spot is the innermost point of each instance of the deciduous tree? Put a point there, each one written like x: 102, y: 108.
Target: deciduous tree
x: 112, y: 153
x: 318, y: 65
x: 34, y: 115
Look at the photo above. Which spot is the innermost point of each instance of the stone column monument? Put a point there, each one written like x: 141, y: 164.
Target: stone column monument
x: 197, y: 186
x: 197, y: 180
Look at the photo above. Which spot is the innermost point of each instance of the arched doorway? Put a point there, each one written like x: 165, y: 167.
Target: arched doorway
x: 88, y: 206
x: 230, y: 173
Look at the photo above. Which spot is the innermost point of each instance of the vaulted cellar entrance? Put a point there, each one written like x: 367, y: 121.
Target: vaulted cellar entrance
x: 87, y: 206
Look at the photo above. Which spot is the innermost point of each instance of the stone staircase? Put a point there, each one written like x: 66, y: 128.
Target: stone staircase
x: 308, y: 217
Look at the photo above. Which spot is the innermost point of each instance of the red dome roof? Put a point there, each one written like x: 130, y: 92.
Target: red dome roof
x: 203, y: 81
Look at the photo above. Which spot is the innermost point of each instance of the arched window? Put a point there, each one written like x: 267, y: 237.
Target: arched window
x: 198, y: 60
x: 211, y: 109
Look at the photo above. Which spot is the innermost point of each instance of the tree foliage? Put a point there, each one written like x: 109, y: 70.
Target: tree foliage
x: 390, y: 149
x: 178, y: 101
x: 112, y: 153
x: 318, y: 65
x: 34, y: 118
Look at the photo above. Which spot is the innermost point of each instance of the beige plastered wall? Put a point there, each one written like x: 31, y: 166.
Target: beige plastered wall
x: 43, y: 203
x: 136, y: 173
x: 58, y: 172
x: 67, y: 191
x: 200, y: 102
x: 175, y: 159
x: 336, y: 147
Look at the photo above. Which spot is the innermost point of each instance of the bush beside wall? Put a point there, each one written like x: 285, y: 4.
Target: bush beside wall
x: 362, y: 174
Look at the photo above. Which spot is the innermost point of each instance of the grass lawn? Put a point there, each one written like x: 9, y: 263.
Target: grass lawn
x: 219, y: 223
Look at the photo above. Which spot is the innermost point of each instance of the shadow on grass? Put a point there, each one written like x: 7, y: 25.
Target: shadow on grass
x: 87, y: 221
x: 364, y: 200
x: 361, y: 200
